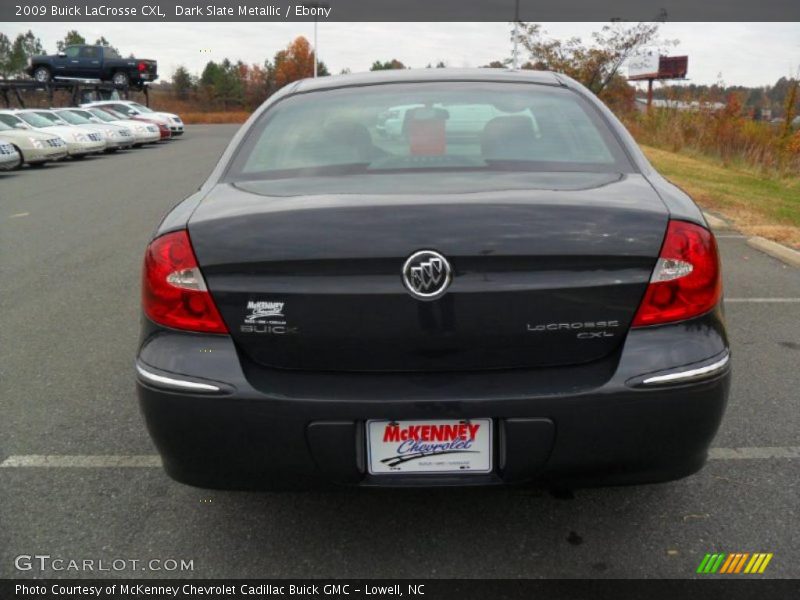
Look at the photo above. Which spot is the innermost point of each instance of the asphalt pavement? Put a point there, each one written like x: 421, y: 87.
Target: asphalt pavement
x: 71, y: 242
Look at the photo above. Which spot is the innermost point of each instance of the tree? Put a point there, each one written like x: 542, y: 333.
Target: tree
x: 183, y: 82
x: 102, y: 41
x: 387, y: 66
x: 791, y: 100
x: 296, y: 62
x: 71, y: 39
x: 5, y: 56
x: 596, y: 64
x: 255, y: 81
x: 25, y: 45
x: 497, y: 64
x: 220, y: 84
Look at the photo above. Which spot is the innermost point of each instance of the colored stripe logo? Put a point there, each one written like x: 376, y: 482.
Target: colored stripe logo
x: 735, y: 563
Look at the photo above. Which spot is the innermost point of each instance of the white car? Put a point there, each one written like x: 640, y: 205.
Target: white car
x: 36, y: 147
x: 461, y: 120
x: 79, y: 143
x: 9, y: 157
x: 117, y: 137
x: 134, y: 109
x: 143, y: 133
x: 391, y: 121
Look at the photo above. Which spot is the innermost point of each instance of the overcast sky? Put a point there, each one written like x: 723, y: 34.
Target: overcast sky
x: 740, y: 53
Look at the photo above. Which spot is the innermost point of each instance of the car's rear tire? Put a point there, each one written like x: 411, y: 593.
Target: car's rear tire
x: 120, y: 79
x: 42, y: 74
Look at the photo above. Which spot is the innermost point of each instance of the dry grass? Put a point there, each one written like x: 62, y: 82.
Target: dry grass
x: 725, y: 135
x: 192, y: 112
x: 233, y: 116
x: 754, y: 202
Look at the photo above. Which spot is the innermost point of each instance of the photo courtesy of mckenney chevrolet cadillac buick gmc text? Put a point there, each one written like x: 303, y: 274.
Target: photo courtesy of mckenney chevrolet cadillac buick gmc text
x: 498, y: 288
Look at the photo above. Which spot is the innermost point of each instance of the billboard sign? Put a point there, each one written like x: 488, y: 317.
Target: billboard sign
x: 644, y: 64
x: 673, y: 67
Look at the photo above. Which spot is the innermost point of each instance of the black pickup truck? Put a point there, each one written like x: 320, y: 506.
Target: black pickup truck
x: 93, y: 62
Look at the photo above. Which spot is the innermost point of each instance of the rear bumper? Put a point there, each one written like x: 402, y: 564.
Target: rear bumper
x: 586, y: 425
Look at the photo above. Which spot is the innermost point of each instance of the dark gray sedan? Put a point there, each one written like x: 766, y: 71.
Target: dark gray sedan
x: 501, y: 291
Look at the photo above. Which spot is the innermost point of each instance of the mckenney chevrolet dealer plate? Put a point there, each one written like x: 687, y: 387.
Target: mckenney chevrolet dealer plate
x: 455, y: 446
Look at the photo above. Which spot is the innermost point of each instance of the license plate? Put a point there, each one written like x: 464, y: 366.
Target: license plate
x: 429, y: 446
x: 145, y: 76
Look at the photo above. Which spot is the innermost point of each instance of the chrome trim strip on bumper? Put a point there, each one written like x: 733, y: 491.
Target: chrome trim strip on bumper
x: 691, y: 373
x: 179, y: 384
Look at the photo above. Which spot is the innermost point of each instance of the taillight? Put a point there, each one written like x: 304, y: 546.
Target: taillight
x: 686, y: 281
x: 142, y: 66
x: 174, y: 293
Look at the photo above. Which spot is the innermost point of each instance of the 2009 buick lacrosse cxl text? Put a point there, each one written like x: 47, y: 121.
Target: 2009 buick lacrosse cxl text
x: 423, y: 278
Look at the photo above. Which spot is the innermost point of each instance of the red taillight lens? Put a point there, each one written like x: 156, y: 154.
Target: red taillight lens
x: 142, y: 66
x: 686, y: 281
x: 174, y: 293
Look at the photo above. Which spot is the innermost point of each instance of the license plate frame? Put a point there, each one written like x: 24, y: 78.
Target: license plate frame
x: 403, y: 451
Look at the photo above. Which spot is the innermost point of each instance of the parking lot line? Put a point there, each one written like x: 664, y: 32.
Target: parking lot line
x: 754, y: 453
x: 59, y: 461
x: 763, y: 300
x: 91, y: 461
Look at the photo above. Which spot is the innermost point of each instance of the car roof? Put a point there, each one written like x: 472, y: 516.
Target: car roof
x: 430, y: 75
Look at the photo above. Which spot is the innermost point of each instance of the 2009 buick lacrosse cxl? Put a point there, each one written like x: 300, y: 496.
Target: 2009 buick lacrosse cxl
x: 422, y: 278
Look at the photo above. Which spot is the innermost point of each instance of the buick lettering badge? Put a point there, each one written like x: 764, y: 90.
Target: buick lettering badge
x: 427, y: 275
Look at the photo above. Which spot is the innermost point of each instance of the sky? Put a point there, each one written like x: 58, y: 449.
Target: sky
x: 750, y: 54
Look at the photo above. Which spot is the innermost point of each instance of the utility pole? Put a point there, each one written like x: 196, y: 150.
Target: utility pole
x: 316, y: 6
x: 514, y: 56
x: 315, y: 46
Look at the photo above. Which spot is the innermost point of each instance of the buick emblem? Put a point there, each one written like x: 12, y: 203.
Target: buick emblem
x: 427, y: 274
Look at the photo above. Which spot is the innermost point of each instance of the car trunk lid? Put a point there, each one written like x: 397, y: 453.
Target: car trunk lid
x: 548, y: 271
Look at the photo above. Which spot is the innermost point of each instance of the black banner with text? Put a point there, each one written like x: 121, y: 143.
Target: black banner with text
x: 427, y: 589
x: 397, y: 10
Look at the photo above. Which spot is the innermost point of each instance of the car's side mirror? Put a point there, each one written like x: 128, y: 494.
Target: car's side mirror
x: 20, y: 126
x: 62, y: 54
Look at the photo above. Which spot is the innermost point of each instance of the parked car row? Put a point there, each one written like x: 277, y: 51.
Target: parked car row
x: 35, y: 136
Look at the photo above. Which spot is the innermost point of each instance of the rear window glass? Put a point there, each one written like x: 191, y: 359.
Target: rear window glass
x: 428, y: 126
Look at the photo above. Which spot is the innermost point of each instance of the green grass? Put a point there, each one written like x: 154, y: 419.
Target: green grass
x: 756, y: 203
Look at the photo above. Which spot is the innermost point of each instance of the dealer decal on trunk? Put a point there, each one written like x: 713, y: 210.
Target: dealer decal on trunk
x: 266, y: 317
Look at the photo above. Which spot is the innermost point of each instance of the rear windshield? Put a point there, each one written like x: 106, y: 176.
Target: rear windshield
x: 426, y: 127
